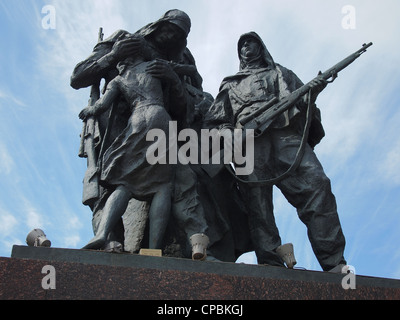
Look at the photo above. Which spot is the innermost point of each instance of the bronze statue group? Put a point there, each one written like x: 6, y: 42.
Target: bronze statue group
x: 150, y: 79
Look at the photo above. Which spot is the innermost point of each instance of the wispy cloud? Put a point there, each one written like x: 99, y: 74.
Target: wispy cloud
x: 6, y: 161
x: 387, y: 157
x: 8, y: 231
x: 391, y: 165
x: 34, y: 219
x: 7, y: 223
x: 7, y: 97
x: 71, y: 241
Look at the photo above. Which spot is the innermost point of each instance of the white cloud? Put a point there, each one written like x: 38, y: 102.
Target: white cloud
x: 387, y: 155
x: 71, y: 241
x: 8, y: 223
x: 390, y: 167
x: 8, y: 97
x: 74, y: 223
x: 6, y: 161
x: 33, y: 219
x: 8, y: 232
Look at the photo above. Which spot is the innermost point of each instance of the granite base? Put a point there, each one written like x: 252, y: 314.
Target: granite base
x: 94, y: 275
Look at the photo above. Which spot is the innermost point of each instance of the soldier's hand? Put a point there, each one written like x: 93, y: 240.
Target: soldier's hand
x: 163, y: 70
x: 127, y: 47
x: 317, y: 85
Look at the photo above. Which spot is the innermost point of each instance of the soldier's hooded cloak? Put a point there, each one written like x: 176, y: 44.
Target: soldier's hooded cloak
x: 275, y: 152
x: 251, y: 88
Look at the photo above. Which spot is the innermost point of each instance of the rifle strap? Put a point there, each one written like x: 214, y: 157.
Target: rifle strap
x: 296, y: 162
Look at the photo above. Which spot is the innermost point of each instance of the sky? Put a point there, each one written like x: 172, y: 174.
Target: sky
x: 41, y: 173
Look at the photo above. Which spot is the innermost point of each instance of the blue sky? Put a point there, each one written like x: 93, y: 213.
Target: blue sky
x: 41, y: 174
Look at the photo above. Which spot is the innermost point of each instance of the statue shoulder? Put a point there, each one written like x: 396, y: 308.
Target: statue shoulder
x: 292, y: 80
x: 231, y: 81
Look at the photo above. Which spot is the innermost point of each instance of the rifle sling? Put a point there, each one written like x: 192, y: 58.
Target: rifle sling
x: 296, y: 162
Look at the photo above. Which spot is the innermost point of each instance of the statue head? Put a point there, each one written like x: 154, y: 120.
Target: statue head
x: 179, y: 19
x: 253, y: 52
x: 169, y: 33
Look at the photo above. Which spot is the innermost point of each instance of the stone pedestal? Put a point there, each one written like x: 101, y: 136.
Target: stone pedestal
x: 84, y: 274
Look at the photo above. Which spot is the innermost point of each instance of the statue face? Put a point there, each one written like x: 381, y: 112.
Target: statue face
x: 250, y: 48
x: 168, y: 34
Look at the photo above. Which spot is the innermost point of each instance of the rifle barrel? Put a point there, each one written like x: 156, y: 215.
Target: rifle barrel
x: 332, y: 72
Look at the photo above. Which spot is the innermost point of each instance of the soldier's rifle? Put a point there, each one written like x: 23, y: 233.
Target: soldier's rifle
x: 87, y: 148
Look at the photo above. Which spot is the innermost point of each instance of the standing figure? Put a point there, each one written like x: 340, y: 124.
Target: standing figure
x: 307, y: 188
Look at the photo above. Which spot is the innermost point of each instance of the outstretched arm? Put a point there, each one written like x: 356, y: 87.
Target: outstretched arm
x: 104, y: 103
